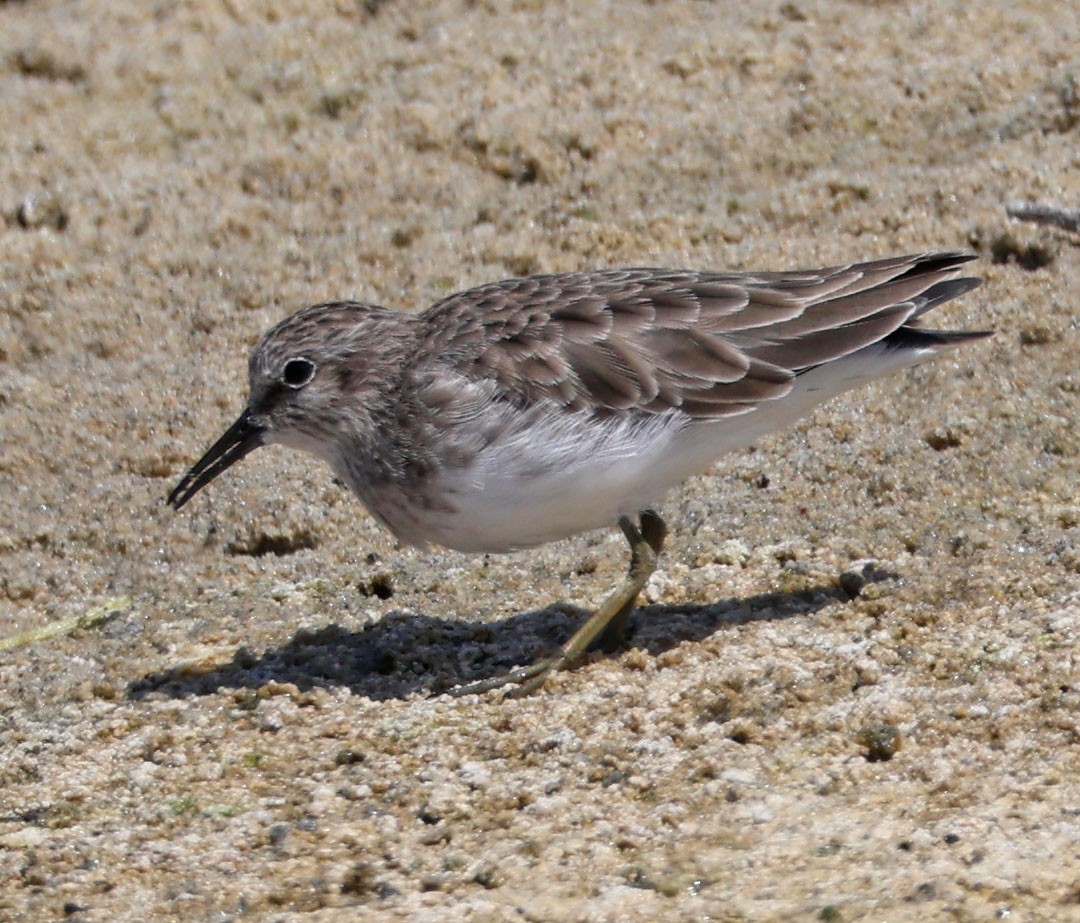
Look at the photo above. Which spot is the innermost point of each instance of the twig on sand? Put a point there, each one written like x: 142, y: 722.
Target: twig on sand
x: 1067, y: 218
x: 63, y: 626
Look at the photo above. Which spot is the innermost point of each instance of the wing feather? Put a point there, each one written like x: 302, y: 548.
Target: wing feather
x: 711, y: 344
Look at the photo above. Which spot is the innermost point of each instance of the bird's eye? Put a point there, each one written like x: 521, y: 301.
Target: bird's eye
x: 297, y: 372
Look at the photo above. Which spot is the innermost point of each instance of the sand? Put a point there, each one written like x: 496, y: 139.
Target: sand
x: 854, y: 692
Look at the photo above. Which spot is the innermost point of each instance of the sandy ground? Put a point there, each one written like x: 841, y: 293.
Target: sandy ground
x: 855, y: 691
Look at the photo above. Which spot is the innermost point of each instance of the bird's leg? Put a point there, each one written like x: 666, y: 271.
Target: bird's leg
x: 608, y: 623
x: 652, y: 533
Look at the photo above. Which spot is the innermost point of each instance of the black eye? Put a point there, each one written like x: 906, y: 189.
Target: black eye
x: 298, y: 372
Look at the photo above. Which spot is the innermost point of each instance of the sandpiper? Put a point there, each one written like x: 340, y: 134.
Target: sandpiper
x: 525, y: 411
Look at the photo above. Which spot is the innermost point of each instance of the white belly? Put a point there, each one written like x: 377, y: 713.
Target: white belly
x: 565, y: 475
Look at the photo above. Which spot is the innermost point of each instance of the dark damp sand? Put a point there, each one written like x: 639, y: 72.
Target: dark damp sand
x: 254, y: 736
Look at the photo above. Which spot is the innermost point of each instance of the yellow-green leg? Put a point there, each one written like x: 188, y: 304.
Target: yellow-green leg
x: 607, y: 625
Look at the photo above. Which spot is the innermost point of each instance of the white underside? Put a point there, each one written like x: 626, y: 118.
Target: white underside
x: 599, y: 473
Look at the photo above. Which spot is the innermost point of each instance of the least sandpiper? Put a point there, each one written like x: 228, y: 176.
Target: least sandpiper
x: 529, y: 410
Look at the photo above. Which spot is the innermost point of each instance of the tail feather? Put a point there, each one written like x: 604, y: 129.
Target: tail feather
x: 916, y: 338
x: 944, y: 291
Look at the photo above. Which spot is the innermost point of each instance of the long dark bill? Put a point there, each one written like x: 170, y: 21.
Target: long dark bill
x: 242, y: 437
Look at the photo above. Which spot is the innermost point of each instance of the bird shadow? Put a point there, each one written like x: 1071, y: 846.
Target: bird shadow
x: 406, y: 653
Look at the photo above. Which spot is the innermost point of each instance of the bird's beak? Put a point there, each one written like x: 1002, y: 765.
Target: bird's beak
x: 242, y: 437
